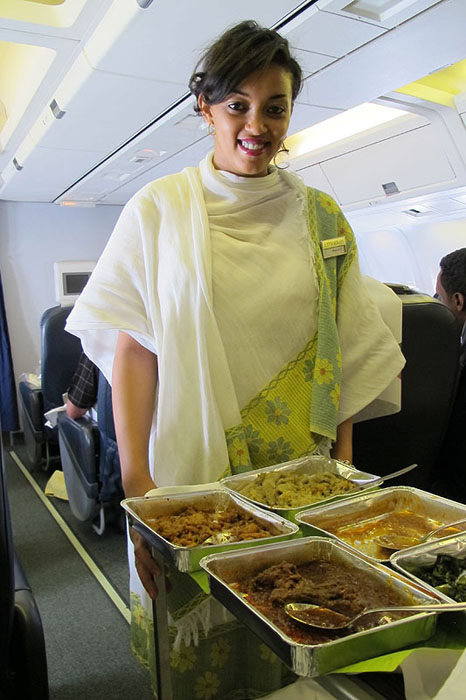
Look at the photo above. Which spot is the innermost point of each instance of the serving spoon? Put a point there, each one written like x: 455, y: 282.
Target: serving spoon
x: 399, y: 472
x: 396, y: 542
x: 324, y: 618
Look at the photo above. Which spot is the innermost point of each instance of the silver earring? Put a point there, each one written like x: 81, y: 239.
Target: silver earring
x: 211, y: 129
x: 281, y: 158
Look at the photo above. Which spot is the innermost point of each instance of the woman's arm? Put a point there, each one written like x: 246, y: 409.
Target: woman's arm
x: 134, y: 383
x: 343, y: 446
x: 133, y: 389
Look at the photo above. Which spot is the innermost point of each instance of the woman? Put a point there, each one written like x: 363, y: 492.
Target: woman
x: 232, y: 340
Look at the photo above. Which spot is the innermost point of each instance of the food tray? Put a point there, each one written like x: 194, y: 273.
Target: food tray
x: 187, y: 558
x: 312, y: 464
x: 409, y: 561
x: 306, y: 659
x: 365, y: 509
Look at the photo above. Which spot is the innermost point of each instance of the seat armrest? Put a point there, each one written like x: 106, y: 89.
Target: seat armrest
x: 28, y: 655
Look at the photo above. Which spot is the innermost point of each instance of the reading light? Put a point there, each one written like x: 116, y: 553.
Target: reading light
x: 337, y: 128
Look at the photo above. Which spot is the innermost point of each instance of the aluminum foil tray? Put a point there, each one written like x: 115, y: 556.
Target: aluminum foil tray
x: 312, y: 464
x: 314, y: 660
x: 187, y: 558
x: 410, y: 561
x: 366, y: 508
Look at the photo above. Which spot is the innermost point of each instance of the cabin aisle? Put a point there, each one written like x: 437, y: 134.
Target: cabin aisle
x: 86, y: 634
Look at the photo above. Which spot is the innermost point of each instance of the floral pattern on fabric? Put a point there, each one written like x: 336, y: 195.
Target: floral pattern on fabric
x: 183, y: 658
x: 273, y: 427
x: 323, y: 371
x: 277, y: 411
x: 279, y: 451
x: 289, y: 417
x: 328, y: 203
x: 335, y: 394
x: 206, y: 686
x: 220, y: 652
x: 238, y: 451
x: 218, y: 667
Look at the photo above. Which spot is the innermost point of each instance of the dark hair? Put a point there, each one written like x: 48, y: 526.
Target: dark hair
x: 238, y: 52
x: 453, y: 272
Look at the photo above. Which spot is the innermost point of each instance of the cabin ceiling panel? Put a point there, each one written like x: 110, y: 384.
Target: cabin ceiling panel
x: 188, y: 157
x: 388, y: 14
x: 45, y: 172
x: 314, y: 177
x: 135, y: 164
x: 306, y: 115
x: 171, y: 134
x: 163, y: 41
x: 411, y: 160
x: 396, y: 58
x: 311, y: 62
x: 333, y: 35
x: 107, y: 110
x: 53, y: 22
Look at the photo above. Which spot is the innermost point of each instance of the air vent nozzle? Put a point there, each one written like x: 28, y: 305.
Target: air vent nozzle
x: 390, y: 188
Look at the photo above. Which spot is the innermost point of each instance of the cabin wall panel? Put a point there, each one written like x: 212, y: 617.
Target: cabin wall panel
x: 409, y: 255
x: 32, y: 237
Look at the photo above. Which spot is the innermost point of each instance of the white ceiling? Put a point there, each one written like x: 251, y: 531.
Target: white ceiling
x: 120, y: 72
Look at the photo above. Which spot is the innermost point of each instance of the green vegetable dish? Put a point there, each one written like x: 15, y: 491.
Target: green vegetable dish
x: 448, y: 575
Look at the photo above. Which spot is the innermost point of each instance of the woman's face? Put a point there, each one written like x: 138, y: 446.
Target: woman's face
x: 251, y: 123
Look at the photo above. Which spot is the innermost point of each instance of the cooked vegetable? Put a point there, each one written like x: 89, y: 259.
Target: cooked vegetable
x: 448, y: 575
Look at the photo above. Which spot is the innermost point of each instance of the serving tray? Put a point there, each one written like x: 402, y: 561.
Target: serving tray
x: 187, y: 558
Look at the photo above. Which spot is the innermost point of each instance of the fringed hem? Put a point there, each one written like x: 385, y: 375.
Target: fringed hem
x: 200, y: 619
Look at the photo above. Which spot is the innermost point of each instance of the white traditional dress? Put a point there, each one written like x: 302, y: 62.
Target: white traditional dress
x: 263, y: 347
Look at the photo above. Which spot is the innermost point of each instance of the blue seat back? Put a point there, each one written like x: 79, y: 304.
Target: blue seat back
x: 60, y: 352
x: 109, y: 463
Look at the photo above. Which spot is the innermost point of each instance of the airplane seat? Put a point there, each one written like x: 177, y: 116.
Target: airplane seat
x: 79, y: 449
x: 430, y: 344
x: 60, y: 353
x: 109, y: 461
x: 23, y: 669
x: 91, y: 463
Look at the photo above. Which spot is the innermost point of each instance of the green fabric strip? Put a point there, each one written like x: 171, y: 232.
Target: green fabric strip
x: 299, y: 406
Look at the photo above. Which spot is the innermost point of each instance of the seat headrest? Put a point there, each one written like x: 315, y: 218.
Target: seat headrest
x: 60, y: 354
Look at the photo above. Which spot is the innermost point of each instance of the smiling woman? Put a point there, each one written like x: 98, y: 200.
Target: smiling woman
x: 245, y: 91
x: 229, y: 338
x: 251, y: 123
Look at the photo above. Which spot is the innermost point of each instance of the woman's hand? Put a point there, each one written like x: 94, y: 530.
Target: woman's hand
x: 343, y: 446
x: 145, y: 564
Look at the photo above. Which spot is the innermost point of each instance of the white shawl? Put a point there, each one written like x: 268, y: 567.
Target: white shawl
x: 159, y: 258
x: 154, y: 281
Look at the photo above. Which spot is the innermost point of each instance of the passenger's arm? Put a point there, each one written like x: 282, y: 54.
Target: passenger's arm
x: 134, y: 383
x: 343, y: 446
x: 73, y: 411
x: 133, y: 390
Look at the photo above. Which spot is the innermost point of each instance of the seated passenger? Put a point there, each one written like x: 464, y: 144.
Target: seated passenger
x: 82, y: 392
x: 451, y: 464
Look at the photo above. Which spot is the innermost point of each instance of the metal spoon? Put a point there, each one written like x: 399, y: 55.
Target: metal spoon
x: 325, y: 618
x: 398, y: 473
x: 403, y: 541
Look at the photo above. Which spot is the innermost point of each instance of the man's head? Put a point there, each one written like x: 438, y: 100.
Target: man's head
x: 451, y: 283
